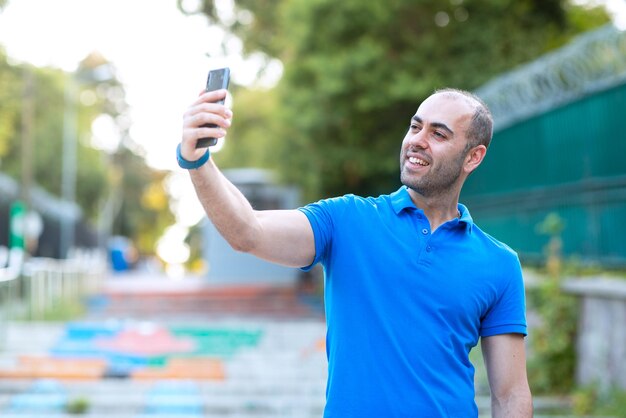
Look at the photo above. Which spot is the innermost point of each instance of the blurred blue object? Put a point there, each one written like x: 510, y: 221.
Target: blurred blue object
x: 38, y: 402
x: 86, y: 330
x: 121, y: 253
x: 47, y: 386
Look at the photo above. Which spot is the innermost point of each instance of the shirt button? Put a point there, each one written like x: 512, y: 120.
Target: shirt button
x: 425, y: 231
x: 429, y: 249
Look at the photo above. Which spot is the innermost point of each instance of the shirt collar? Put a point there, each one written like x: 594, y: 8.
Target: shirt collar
x: 401, y: 199
x: 465, y: 217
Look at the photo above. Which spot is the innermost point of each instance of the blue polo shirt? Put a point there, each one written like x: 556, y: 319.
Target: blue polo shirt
x: 404, y: 306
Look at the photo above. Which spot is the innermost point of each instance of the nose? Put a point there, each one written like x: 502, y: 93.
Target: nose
x: 418, y: 139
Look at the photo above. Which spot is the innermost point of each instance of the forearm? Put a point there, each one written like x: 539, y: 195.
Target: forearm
x: 226, y: 207
x: 281, y: 236
x: 518, y: 405
x: 505, y: 360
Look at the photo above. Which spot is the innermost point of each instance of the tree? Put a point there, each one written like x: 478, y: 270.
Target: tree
x: 143, y: 212
x: 136, y: 191
x: 254, y: 132
x: 48, y: 100
x: 355, y: 71
x: 117, y: 182
x: 10, y: 94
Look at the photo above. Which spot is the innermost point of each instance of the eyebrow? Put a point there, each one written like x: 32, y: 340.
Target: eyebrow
x: 434, y: 124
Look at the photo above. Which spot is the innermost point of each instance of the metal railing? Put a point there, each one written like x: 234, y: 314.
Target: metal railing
x: 31, y: 288
x: 10, y: 268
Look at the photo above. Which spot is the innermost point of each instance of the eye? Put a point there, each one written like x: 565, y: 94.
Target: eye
x: 439, y: 135
x: 414, y: 127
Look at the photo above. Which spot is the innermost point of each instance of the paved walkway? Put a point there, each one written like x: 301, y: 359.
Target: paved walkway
x: 150, y: 346
x: 280, y: 374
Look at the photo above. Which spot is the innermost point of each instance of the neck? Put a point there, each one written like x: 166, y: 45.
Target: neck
x: 437, y: 209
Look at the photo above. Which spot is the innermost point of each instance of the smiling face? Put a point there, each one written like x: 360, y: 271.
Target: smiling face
x: 435, y: 159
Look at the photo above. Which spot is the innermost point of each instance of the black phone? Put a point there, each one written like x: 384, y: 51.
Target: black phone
x: 218, y: 79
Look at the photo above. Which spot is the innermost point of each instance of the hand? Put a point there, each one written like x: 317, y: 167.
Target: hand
x: 204, y: 110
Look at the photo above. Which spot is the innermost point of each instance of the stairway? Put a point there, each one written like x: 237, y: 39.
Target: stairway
x: 153, y: 347
x: 280, y: 374
x: 193, y: 300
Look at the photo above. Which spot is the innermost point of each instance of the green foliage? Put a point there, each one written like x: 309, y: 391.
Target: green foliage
x: 551, y: 367
x: 47, y: 99
x: 194, y: 241
x: 121, y: 180
x: 251, y: 140
x: 77, y: 406
x: 143, y: 211
x: 10, y: 93
x: 66, y: 310
x: 355, y: 71
x: 589, y: 401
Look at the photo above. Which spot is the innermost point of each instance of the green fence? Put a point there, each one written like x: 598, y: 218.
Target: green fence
x: 571, y: 161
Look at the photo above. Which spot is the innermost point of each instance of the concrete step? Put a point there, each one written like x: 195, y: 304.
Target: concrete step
x: 237, y: 398
x: 131, y: 299
x: 143, y: 399
x: 140, y: 405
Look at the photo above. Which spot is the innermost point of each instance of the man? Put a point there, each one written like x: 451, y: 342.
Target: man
x: 411, y: 283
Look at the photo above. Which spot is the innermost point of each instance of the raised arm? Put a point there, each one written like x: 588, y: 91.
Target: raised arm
x: 280, y: 236
x: 505, y: 360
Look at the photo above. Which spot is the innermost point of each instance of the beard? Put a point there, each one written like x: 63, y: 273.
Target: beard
x: 439, y: 179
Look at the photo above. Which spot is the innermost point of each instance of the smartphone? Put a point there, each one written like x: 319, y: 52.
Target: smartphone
x: 218, y: 79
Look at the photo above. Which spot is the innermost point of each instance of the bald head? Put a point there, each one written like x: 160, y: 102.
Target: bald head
x: 480, y: 130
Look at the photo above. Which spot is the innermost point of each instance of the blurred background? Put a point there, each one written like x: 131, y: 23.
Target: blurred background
x: 117, y: 295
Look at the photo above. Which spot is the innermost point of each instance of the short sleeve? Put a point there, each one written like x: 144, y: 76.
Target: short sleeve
x: 508, y: 313
x: 322, y: 216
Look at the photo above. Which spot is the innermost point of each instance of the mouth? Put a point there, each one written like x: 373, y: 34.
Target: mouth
x: 418, y: 161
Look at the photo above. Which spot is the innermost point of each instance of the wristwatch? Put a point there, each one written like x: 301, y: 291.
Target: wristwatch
x: 191, y: 165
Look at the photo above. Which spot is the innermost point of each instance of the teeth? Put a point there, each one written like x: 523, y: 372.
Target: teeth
x: 415, y: 160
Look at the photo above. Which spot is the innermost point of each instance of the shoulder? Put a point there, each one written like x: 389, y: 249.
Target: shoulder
x: 494, y: 247
x: 352, y: 202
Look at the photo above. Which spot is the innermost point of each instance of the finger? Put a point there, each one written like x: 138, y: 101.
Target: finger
x: 209, y: 108
x: 203, y: 118
x: 191, y: 136
x: 212, y: 96
x: 189, y: 151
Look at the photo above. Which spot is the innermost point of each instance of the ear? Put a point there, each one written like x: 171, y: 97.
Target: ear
x: 474, y: 157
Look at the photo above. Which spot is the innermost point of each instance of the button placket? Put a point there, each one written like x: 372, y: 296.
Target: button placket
x: 423, y: 241
x: 426, y: 233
